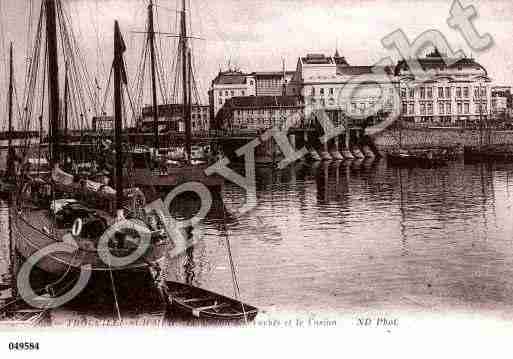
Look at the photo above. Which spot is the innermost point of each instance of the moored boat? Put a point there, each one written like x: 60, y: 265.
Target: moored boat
x: 101, y: 223
x: 409, y: 159
x: 190, y: 302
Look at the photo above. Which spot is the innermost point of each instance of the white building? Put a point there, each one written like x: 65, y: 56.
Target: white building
x: 450, y: 97
x: 342, y: 90
x: 501, y: 96
x: 229, y: 84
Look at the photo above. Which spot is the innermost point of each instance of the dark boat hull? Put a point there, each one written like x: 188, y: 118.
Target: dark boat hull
x: 30, y: 239
x: 483, y: 155
x: 173, y: 177
x: 415, y: 161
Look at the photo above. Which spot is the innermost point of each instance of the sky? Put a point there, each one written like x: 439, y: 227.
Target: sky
x: 259, y: 35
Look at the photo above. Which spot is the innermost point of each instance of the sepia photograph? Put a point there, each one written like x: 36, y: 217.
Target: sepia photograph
x: 184, y: 176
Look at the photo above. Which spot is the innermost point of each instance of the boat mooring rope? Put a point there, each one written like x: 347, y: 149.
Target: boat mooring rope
x: 235, y: 282
x: 114, y: 292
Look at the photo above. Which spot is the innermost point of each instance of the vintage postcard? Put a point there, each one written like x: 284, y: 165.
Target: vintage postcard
x: 279, y: 174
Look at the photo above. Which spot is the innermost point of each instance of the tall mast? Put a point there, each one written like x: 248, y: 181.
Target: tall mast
x: 119, y: 48
x: 11, y: 80
x: 66, y: 95
x: 53, y: 79
x: 151, y: 38
x: 185, y: 70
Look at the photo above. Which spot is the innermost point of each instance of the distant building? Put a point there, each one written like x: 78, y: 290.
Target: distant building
x: 341, y: 89
x: 261, y: 112
x: 272, y: 83
x: 455, y: 95
x: 235, y: 83
x: 501, y: 99
x: 229, y: 84
x: 170, y: 118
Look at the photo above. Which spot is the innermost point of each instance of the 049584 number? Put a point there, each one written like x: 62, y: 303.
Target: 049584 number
x: 24, y: 346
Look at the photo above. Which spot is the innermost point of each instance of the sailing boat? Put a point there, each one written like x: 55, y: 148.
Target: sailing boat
x: 169, y: 174
x: 64, y: 210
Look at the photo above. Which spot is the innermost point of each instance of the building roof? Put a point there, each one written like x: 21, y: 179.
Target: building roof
x: 263, y: 101
x: 436, y: 60
x: 230, y: 78
x: 317, y: 59
x: 271, y: 73
x: 361, y: 70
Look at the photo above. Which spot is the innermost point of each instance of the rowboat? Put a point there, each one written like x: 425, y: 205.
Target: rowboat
x: 18, y: 314
x: 190, y: 302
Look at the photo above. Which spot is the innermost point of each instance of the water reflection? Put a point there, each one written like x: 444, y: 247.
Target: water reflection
x: 350, y: 235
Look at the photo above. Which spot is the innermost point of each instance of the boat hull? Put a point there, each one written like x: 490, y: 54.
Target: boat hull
x: 173, y: 177
x: 191, y: 303
x: 30, y: 239
x: 415, y: 161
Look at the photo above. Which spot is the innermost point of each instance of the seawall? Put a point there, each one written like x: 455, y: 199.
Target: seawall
x: 440, y: 137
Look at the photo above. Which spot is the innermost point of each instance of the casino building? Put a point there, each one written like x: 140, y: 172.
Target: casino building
x: 455, y: 95
x: 458, y: 94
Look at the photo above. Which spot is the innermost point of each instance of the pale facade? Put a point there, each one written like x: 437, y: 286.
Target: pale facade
x: 501, y: 98
x: 342, y: 90
x: 454, y: 95
x: 230, y: 84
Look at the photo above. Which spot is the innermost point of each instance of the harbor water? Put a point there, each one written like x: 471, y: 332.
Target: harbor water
x: 357, y: 236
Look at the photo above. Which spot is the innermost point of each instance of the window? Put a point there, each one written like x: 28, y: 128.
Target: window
x: 448, y: 92
x: 243, y: 93
x: 441, y: 92
x: 422, y: 92
x: 448, y: 108
x: 323, y: 103
x: 331, y: 90
x: 476, y: 92
x: 232, y: 93
x: 467, y: 107
x: 412, y: 93
x: 353, y: 107
x: 465, y: 92
x: 430, y: 108
x: 440, y: 108
x: 321, y: 91
x: 460, y: 108
x: 422, y: 108
x: 313, y: 91
x: 251, y: 82
x: 458, y: 92
x: 403, y: 93
x: 430, y: 92
x: 405, y: 109
x: 411, y: 109
x: 220, y: 93
x: 220, y: 101
x: 483, y: 91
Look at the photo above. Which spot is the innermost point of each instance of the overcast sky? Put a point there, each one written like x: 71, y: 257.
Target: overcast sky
x: 256, y: 35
